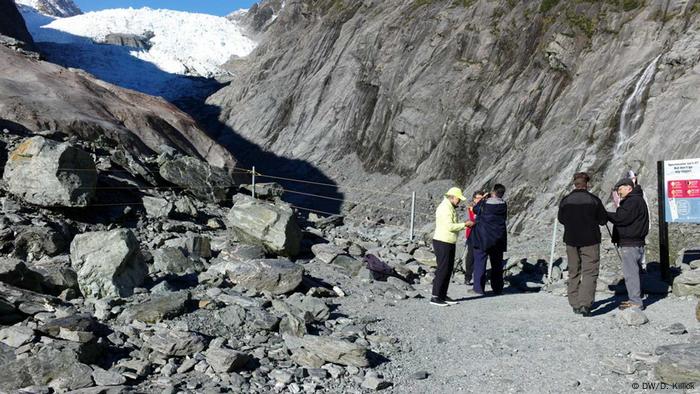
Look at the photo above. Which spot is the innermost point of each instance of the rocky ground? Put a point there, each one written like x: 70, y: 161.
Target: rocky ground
x: 159, y: 274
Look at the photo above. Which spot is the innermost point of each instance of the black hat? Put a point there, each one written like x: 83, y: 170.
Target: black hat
x: 624, y: 182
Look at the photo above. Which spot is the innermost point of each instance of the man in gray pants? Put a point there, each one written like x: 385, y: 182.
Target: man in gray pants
x: 582, y: 214
x: 631, y: 226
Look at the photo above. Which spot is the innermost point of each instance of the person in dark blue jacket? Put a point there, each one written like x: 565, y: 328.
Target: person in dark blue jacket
x: 489, y: 239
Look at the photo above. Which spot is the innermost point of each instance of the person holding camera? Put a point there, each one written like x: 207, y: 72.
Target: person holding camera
x: 582, y: 213
x: 489, y: 238
x: 468, y: 256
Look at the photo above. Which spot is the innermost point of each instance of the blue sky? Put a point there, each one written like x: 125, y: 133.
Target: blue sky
x: 214, y: 7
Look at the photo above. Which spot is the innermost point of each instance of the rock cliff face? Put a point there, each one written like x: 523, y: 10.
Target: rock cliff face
x: 12, y: 24
x: 403, y: 94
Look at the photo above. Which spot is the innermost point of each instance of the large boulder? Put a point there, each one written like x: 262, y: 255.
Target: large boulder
x: 276, y: 276
x: 15, y: 303
x: 271, y: 226
x: 51, y: 174
x: 687, y: 283
x: 171, y: 260
x: 166, y: 306
x: 224, y: 360
x: 35, y: 242
x: 58, y: 369
x: 108, y: 263
x: 678, y: 363
x: 197, y: 177
x: 176, y: 343
x: 314, y: 351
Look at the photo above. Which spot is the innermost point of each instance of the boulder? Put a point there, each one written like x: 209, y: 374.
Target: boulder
x: 326, y: 252
x: 58, y: 369
x: 197, y: 177
x: 425, y: 257
x: 314, y: 351
x: 316, y: 307
x: 633, y: 317
x: 50, y: 174
x: 276, y: 276
x: 35, y: 242
x: 108, y: 263
x: 184, y: 206
x: 157, y: 207
x: 271, y: 226
x: 265, y: 191
x: 176, y: 343
x: 15, y: 272
x: 349, y: 265
x: 162, y: 307
x: 76, y: 328
x: 292, y: 325
x: 56, y: 274
x: 697, y: 312
x: 678, y: 363
x: 224, y: 360
x: 687, y: 283
x: 16, y: 302
x: 170, y: 260
x: 199, y: 246
x: 107, y: 378
x: 16, y: 336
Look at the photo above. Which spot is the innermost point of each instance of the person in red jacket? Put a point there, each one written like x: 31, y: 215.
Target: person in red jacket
x: 468, y: 256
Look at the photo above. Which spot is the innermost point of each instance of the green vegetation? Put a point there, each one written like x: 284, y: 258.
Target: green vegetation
x: 547, y: 5
x: 629, y: 5
x: 463, y: 3
x: 584, y: 23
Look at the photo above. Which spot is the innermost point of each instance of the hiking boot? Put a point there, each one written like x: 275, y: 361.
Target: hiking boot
x: 577, y: 310
x: 438, y: 302
x: 450, y: 301
x: 585, y: 311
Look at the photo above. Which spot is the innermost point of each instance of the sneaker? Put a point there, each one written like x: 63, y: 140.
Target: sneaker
x: 438, y: 302
x: 585, y: 311
x: 450, y: 301
x: 577, y: 310
x: 628, y: 305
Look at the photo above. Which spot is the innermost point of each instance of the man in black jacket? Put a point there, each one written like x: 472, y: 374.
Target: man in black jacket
x: 582, y: 213
x: 631, y: 226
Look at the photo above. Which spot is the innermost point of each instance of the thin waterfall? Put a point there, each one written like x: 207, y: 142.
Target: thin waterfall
x: 633, y: 109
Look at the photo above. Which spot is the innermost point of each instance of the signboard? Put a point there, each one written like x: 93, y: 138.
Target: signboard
x: 682, y: 191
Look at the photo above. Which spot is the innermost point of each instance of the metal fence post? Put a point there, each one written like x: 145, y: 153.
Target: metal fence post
x: 551, y: 253
x: 413, y: 214
x: 253, y: 181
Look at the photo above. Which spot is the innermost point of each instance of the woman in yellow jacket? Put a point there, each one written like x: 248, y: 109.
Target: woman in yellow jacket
x: 447, y: 227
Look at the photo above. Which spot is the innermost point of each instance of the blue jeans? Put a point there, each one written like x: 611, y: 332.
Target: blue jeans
x: 495, y: 255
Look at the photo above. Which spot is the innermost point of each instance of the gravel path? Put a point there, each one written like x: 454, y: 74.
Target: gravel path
x: 518, y: 343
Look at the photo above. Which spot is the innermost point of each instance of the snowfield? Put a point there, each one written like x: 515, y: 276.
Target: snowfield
x: 183, y: 45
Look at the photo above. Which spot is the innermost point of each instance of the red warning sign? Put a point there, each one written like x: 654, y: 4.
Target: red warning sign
x: 684, y: 188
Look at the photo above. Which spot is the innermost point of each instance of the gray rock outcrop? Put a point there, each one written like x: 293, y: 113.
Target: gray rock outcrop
x: 197, y: 178
x: 271, y: 226
x: 50, y: 174
x: 108, y: 263
x: 276, y: 276
x: 128, y: 40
